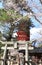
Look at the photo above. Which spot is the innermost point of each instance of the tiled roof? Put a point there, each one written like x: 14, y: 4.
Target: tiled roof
x: 36, y: 50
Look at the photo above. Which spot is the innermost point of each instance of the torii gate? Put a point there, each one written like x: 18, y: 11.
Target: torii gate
x: 21, y: 45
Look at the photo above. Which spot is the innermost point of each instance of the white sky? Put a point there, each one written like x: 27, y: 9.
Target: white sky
x: 34, y: 33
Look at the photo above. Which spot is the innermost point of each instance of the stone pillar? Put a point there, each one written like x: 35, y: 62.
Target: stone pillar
x: 8, y: 62
x: 26, y: 54
x: 11, y: 62
x: 15, y: 45
x: 2, y: 62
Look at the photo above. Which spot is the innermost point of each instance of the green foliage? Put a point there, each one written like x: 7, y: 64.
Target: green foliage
x: 3, y: 15
x: 0, y: 35
x: 25, y: 23
x: 8, y: 16
x: 0, y: 45
x: 15, y: 15
x: 40, y: 44
x: 1, y: 51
